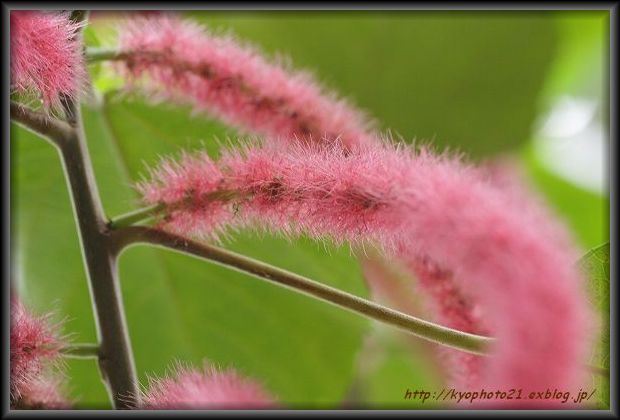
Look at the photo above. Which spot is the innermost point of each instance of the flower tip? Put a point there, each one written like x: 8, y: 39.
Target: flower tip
x: 34, y: 344
x: 46, y: 56
x: 208, y: 388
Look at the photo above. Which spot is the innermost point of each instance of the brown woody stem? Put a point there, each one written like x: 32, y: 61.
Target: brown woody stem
x: 114, y: 350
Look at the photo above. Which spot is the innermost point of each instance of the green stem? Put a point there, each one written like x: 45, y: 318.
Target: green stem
x: 143, y: 214
x: 135, y: 216
x: 95, y: 54
x: 81, y: 351
x: 471, y: 343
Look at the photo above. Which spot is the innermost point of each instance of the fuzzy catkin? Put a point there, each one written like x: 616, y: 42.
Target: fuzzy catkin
x: 208, y: 388
x: 46, y: 55
x: 180, y: 60
x: 34, y: 344
x: 514, y: 264
x: 459, y: 232
x: 211, y: 78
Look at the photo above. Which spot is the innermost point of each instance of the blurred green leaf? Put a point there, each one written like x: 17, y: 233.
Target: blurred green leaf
x: 92, y: 40
x: 180, y: 308
x: 391, y: 364
x: 595, y: 264
x: 90, y: 37
x: 106, y: 80
x: 579, y: 65
x: 585, y: 212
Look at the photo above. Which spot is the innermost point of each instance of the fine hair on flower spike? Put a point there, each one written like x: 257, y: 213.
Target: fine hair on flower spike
x: 35, y: 345
x: 205, y: 388
x: 442, y: 217
x: 46, y: 57
x: 180, y: 60
x: 43, y: 393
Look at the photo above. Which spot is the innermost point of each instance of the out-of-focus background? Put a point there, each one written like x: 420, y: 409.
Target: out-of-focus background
x: 527, y: 85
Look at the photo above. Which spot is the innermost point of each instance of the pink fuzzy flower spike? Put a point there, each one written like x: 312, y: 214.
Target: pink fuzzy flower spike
x: 187, y: 184
x: 208, y: 388
x: 455, y: 309
x: 180, y: 60
x: 45, y: 55
x: 493, y: 261
x: 34, y: 344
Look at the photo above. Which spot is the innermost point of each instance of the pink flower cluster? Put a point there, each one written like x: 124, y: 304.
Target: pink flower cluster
x: 488, y: 254
x: 34, y: 345
x: 46, y: 56
x: 208, y: 388
x: 179, y: 60
x: 482, y: 247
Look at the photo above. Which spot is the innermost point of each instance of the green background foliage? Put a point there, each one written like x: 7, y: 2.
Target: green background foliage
x: 477, y: 82
x: 595, y: 265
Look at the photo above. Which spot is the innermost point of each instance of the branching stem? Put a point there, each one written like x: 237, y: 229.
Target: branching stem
x: 114, y: 351
x: 52, y: 129
x: 471, y: 343
x: 136, y: 216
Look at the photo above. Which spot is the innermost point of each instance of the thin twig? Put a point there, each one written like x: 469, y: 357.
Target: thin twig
x: 135, y: 216
x: 95, y: 54
x: 471, y: 343
x: 80, y: 351
x: 146, y: 213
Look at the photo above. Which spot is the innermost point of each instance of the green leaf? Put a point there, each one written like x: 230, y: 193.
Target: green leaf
x: 92, y: 40
x: 579, y: 66
x: 585, y: 212
x: 595, y: 264
x: 180, y: 308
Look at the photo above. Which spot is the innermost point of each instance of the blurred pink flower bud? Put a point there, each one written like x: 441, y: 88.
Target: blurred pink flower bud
x: 208, y: 388
x: 34, y: 344
x: 43, y: 393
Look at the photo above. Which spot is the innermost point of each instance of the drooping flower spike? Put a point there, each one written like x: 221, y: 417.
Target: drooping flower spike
x: 208, y: 388
x: 514, y: 265
x: 160, y: 48
x: 180, y: 60
x: 35, y: 344
x: 46, y: 56
x: 212, y: 211
x: 450, y: 305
